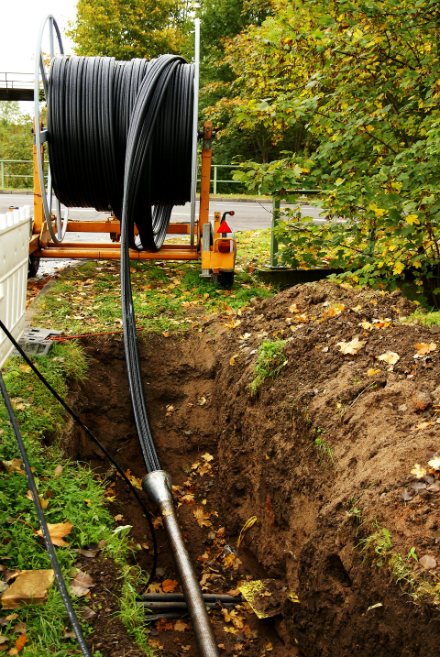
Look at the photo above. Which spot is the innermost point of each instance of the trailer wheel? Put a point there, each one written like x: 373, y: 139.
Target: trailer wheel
x: 224, y: 279
x: 33, y: 265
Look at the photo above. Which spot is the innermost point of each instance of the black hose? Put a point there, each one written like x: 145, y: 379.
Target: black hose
x: 94, y: 439
x: 42, y: 520
x: 179, y: 597
x: 120, y: 136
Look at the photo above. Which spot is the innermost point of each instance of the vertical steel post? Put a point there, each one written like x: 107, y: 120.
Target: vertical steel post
x: 273, y: 239
x: 214, y: 166
x: 195, y: 127
x: 3, y: 174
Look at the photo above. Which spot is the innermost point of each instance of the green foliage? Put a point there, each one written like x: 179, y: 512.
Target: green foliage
x: 426, y: 318
x: 15, y: 144
x: 222, y: 83
x: 278, y: 178
x: 127, y: 29
x: 269, y: 363
x: 365, y: 80
x: 380, y: 542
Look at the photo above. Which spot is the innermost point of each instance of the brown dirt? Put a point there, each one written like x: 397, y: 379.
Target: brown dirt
x: 266, y: 464
x: 110, y: 634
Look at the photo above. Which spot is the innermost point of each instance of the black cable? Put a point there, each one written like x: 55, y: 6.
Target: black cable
x: 42, y: 520
x: 120, y: 137
x: 154, y: 93
x: 94, y: 439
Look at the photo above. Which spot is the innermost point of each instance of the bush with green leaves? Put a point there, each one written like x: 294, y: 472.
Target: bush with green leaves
x: 365, y: 77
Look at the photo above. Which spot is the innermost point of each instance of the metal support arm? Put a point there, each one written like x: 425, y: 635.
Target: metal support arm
x: 158, y: 486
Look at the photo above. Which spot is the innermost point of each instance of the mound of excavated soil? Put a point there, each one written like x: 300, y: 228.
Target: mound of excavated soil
x: 322, y: 456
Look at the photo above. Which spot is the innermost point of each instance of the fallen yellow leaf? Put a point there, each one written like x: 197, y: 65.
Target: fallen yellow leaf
x: 180, y: 626
x: 418, y: 471
x: 424, y: 348
x: 248, y: 524
x: 57, y: 532
x: 169, y: 585
x: 389, y: 357
x: 422, y: 425
x: 351, y: 347
x: 58, y: 471
x: 202, y: 517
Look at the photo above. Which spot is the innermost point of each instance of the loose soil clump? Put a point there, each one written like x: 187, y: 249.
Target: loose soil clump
x: 335, y: 457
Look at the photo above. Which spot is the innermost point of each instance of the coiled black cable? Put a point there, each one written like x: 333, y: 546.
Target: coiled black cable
x: 93, y: 104
x: 120, y: 136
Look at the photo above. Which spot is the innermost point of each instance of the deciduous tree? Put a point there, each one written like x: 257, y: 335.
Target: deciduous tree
x: 126, y: 29
x: 364, y: 76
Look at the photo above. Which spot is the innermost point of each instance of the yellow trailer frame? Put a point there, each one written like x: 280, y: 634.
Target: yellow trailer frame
x: 41, y: 246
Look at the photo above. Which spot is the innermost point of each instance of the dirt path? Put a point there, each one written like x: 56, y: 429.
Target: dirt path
x: 322, y: 456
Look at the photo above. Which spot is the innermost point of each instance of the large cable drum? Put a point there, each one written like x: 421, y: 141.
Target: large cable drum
x: 122, y: 132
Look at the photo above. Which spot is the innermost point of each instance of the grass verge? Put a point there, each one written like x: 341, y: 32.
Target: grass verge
x: 167, y: 296
x: 70, y: 493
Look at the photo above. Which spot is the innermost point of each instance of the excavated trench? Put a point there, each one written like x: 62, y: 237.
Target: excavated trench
x: 265, y: 463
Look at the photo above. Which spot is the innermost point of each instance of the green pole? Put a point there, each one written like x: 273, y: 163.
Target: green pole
x: 215, y: 178
x: 273, y: 239
x: 3, y: 174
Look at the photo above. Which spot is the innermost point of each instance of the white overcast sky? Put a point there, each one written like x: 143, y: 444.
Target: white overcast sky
x: 20, y: 22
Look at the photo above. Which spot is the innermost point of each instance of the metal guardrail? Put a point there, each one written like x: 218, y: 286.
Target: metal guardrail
x: 215, y: 181
x: 4, y: 175
x: 16, y: 80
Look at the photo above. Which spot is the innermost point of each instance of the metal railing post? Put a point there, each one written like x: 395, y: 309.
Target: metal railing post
x: 214, y: 166
x: 3, y: 174
x: 273, y: 239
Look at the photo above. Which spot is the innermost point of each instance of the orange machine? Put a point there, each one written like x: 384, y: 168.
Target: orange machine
x: 217, y: 253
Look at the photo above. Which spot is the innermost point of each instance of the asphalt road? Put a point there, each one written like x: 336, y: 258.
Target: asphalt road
x: 248, y: 216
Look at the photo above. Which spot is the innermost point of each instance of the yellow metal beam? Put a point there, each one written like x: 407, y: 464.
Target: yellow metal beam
x: 38, y: 203
x: 113, y: 226
x: 109, y: 252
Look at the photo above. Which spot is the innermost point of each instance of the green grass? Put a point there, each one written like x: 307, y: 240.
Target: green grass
x: 380, y: 542
x: 324, y: 450
x: 167, y: 296
x: 249, y: 197
x: 75, y: 496
x: 427, y: 318
x: 379, y: 545
x: 269, y: 363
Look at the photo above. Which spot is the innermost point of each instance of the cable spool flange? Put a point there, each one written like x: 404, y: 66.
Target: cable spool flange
x: 40, y: 136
